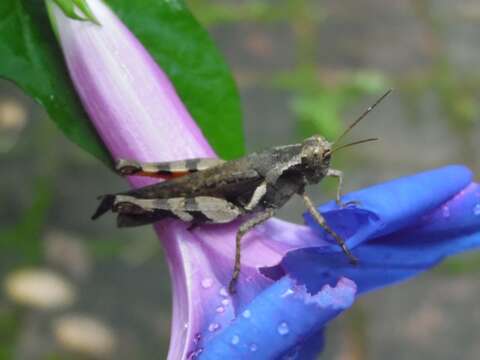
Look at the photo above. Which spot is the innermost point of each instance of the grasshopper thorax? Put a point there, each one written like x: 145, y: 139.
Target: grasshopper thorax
x: 315, y: 154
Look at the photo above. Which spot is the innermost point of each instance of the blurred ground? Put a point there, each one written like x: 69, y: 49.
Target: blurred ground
x: 303, y: 66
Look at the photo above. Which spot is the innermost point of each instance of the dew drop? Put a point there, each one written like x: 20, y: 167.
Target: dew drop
x: 235, y: 339
x: 287, y: 292
x: 225, y: 302
x: 476, y: 210
x: 207, y: 283
x: 247, y: 314
x: 220, y: 309
x: 213, y: 327
x: 223, y: 292
x: 194, y: 354
x: 253, y: 347
x: 283, y: 329
x: 446, y: 211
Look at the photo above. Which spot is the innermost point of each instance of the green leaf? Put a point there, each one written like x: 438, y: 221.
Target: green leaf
x: 72, y: 7
x: 31, y: 57
x: 184, y: 50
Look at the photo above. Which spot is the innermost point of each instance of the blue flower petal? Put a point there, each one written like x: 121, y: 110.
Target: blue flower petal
x: 279, y: 319
x: 390, y: 206
x: 452, y: 228
x: 309, y: 350
x: 403, y: 227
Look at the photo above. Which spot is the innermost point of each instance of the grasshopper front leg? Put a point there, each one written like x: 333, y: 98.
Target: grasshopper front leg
x: 338, y: 199
x: 322, y: 222
x: 242, y: 230
x: 339, y: 176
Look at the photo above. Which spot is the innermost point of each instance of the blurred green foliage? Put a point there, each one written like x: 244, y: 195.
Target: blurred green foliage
x: 456, y: 91
x: 466, y: 264
x: 317, y: 103
x: 217, y: 12
x: 318, y: 106
x: 23, y: 239
x: 9, y: 330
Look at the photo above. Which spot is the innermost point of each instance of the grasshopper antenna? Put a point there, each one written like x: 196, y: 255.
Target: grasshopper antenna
x: 354, y: 143
x: 361, y: 117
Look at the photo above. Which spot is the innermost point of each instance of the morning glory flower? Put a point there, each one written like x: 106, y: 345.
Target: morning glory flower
x: 294, y: 279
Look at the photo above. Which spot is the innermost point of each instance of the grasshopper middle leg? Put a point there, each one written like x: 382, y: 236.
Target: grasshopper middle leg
x: 243, y: 229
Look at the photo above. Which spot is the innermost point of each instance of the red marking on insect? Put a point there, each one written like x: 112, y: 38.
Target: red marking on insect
x: 166, y: 175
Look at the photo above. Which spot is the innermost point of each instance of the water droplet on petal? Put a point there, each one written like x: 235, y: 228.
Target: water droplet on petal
x: 207, y: 283
x: 197, y: 338
x: 225, y: 302
x: 223, y: 292
x: 253, y: 347
x: 446, y: 211
x: 476, y: 210
x: 235, y: 339
x: 247, y: 314
x: 287, y: 292
x: 283, y: 329
x: 194, y: 354
x: 213, y: 327
x: 220, y: 309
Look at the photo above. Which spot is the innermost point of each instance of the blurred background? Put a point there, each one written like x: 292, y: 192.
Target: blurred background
x: 303, y: 67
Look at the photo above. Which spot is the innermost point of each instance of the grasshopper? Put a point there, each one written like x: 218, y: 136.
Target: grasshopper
x: 200, y: 191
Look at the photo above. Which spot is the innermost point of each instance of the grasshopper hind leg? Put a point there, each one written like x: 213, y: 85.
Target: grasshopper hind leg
x: 167, y: 169
x: 242, y: 230
x: 131, y: 211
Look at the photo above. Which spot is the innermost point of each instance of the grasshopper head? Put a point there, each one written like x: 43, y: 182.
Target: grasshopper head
x: 316, y: 152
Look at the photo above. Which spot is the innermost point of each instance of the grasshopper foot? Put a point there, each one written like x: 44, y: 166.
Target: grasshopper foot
x: 352, y: 203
